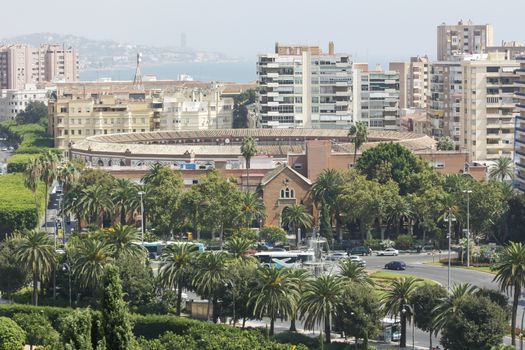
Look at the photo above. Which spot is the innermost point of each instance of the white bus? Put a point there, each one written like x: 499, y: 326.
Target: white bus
x: 285, y: 259
x: 155, y: 248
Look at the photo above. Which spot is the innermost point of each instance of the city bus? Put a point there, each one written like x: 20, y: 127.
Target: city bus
x: 155, y: 248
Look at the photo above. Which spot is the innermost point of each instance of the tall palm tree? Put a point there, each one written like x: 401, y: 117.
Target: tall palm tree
x: 321, y: 298
x: 90, y: 257
x: 48, y: 171
x: 94, y: 202
x: 503, y: 169
x: 248, y: 150
x: 154, y: 174
x: 325, y: 191
x: 211, y: 272
x: 67, y: 175
x: 175, y: 268
x: 126, y: 198
x: 400, y: 210
x: 450, y: 305
x: 301, y: 277
x: 123, y: 242
x: 296, y: 216
x: 510, y: 274
x: 354, y: 272
x: 37, y: 254
x: 252, y: 208
x: 275, y: 295
x: 32, y: 177
x: 239, y: 247
x: 395, y: 299
x: 359, y: 134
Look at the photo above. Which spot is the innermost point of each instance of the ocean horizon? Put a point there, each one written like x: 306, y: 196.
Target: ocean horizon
x: 240, y: 72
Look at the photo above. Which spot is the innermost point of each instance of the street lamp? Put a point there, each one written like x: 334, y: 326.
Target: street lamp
x: 67, y: 268
x: 449, y: 219
x: 468, y: 192
x: 141, y: 194
x: 404, y: 310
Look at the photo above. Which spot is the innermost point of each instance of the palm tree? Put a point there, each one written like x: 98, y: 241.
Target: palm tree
x: 248, y: 150
x: 395, y: 299
x: 32, y: 177
x: 399, y: 210
x: 450, y: 305
x: 252, y: 208
x: 67, y: 175
x: 275, y: 295
x: 37, y: 254
x: 94, y: 202
x: 239, y: 247
x: 48, y: 172
x: 325, y: 190
x: 354, y: 272
x: 504, y: 168
x: 359, y: 134
x: 123, y: 242
x: 175, y: 268
x: 510, y: 274
x: 210, y: 274
x: 295, y: 216
x: 154, y: 174
x: 90, y: 256
x: 126, y: 198
x: 301, y: 277
x: 320, y: 300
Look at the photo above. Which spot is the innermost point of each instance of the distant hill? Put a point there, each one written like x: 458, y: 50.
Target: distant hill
x: 107, y: 54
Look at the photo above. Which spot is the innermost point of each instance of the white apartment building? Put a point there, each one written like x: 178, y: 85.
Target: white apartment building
x: 418, y: 82
x: 444, y: 102
x: 13, y: 102
x: 519, y: 145
x: 463, y: 38
x: 488, y: 107
x: 376, y: 97
x: 302, y: 87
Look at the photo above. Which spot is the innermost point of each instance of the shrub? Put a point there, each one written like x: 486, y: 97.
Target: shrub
x: 51, y: 313
x: 153, y: 326
x: 374, y: 244
x: 75, y: 329
x: 12, y: 337
x: 18, y: 162
x: 404, y: 242
x: 38, y: 329
x: 295, y: 339
x: 272, y: 234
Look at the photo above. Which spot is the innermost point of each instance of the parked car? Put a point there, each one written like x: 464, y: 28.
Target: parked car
x: 388, y: 252
x: 396, y: 265
x: 358, y: 260
x: 336, y: 256
x: 361, y: 251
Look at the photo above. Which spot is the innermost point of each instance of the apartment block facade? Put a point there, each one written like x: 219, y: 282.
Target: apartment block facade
x: 418, y: 82
x: 403, y: 69
x: 302, y: 87
x: 463, y: 38
x: 519, y: 145
x: 21, y: 64
x: 488, y: 107
x: 376, y: 98
x: 13, y: 102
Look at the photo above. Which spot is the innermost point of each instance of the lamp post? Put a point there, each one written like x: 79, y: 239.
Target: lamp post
x: 449, y: 219
x: 404, y: 310
x: 468, y: 192
x: 66, y: 267
x: 141, y: 194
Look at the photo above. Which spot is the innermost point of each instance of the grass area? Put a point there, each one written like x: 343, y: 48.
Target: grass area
x: 486, y: 269
x: 383, y: 279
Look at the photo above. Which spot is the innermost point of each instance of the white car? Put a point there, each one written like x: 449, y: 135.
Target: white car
x: 358, y: 260
x: 388, y: 252
x: 336, y: 256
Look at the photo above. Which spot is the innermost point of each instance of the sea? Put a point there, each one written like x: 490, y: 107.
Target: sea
x: 239, y: 72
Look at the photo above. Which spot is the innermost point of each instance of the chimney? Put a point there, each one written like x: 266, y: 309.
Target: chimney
x: 331, y: 48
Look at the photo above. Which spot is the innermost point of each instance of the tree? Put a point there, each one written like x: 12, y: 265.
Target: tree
x: 325, y: 228
x: 320, y: 300
x: 126, y: 199
x: 48, y: 170
x: 239, y: 247
x: 11, y: 335
x: 32, y: 178
x: 75, y: 329
x: 248, y: 150
x: 240, y: 108
x: 94, y: 202
x: 274, y: 295
x: 295, y: 216
x: 325, y: 190
x: 510, y: 274
x: 478, y: 324
x: 176, y: 267
x: 90, y: 257
x: 35, y: 112
x: 35, y: 252
x: 211, y: 272
x: 302, y: 278
x: 502, y: 169
x: 122, y: 240
x: 354, y: 272
x: 424, y: 300
x: 272, y: 234
x: 396, y: 297
x: 445, y: 311
x: 116, y: 324
x: 138, y: 281
x: 38, y: 329
x: 445, y: 143
x: 359, y: 134
x: 13, y: 275
x: 252, y: 208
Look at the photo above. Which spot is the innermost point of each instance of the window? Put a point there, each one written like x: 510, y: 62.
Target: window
x: 287, y: 192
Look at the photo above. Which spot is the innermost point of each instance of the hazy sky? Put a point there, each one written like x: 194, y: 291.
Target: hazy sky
x: 369, y: 29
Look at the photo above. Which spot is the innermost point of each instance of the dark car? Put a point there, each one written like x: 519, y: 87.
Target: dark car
x: 360, y: 251
x: 396, y: 265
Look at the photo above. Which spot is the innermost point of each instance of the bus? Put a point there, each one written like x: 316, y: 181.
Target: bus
x: 284, y: 259
x: 155, y: 248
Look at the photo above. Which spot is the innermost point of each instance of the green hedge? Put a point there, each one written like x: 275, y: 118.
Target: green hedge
x: 29, y: 138
x: 52, y: 313
x: 17, y: 163
x: 17, y: 204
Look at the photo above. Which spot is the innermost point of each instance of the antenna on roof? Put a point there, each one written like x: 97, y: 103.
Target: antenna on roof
x: 137, y: 81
